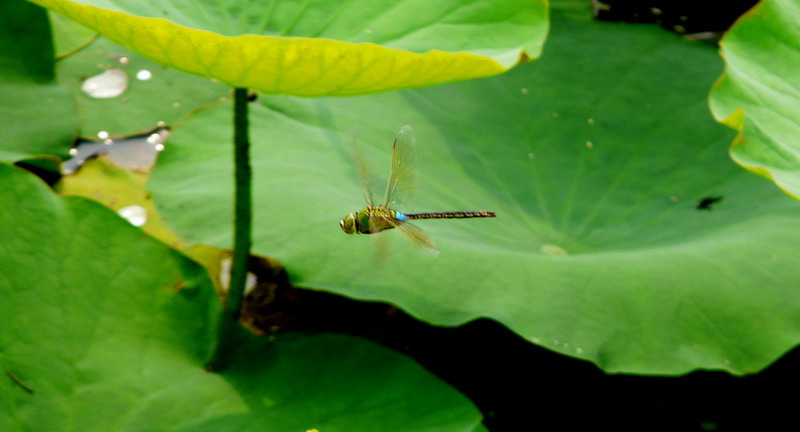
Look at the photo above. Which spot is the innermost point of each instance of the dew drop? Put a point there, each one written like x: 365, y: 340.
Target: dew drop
x: 102, y: 134
x: 144, y: 75
x: 106, y: 85
x: 136, y: 215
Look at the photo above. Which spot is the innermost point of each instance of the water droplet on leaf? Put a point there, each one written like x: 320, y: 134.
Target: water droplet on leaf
x: 136, y: 215
x: 106, y: 85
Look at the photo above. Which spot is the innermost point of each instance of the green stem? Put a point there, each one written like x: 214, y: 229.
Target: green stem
x: 243, y: 207
x: 228, y: 329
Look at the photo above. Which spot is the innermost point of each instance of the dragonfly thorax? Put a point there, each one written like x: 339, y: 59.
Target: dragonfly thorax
x: 371, y: 220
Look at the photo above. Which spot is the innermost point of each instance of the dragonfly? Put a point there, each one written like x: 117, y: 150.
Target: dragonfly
x: 401, y: 187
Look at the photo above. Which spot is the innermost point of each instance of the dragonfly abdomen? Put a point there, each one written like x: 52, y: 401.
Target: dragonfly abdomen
x: 451, y: 215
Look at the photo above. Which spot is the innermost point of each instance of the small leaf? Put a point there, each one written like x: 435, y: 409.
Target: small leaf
x: 758, y: 93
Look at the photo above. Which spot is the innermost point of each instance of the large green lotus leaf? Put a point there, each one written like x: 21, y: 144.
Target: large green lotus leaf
x: 758, y: 93
x: 312, y: 48
x: 38, y: 116
x: 164, y: 97
x: 596, y: 159
x: 103, y: 328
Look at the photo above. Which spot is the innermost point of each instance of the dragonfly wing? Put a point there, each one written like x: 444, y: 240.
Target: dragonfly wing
x: 368, y: 179
x: 417, y: 236
x: 382, y: 249
x: 412, y: 232
x: 403, y: 174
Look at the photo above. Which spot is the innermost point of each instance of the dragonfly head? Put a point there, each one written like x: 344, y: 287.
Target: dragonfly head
x: 348, y: 224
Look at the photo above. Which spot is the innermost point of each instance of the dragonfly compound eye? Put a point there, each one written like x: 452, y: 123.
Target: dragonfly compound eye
x: 348, y: 224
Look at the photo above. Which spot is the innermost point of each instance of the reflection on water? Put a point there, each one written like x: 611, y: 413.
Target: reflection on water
x: 136, y: 152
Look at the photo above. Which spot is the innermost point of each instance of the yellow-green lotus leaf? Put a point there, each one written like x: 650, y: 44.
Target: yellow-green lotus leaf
x: 313, y: 48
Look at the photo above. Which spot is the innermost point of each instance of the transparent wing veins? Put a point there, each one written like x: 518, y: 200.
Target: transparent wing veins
x: 402, y: 184
x: 366, y: 177
x: 412, y: 232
